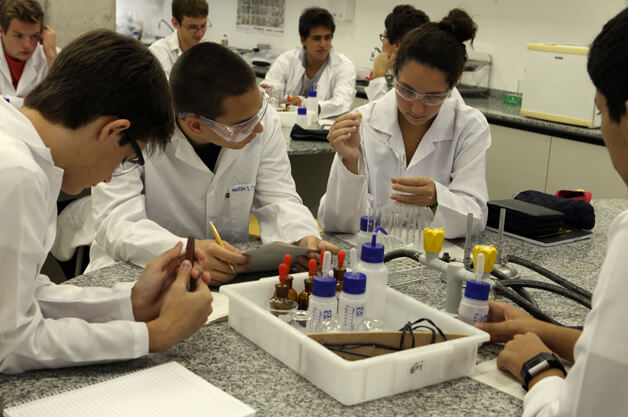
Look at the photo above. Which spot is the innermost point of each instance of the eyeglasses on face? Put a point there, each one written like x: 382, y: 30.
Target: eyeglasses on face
x: 129, y: 164
x: 427, y: 99
x: 382, y: 36
x: 196, y: 28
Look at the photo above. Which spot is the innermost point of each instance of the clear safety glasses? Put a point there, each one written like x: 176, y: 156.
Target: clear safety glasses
x: 240, y: 131
x: 427, y: 99
x: 129, y: 164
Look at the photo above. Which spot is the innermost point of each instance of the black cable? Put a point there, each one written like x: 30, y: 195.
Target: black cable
x: 521, y: 291
x: 401, y: 253
x: 549, y: 274
x: 513, y: 296
x: 546, y: 286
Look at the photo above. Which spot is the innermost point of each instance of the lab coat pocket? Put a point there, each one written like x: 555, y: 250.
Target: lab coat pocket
x: 240, y: 203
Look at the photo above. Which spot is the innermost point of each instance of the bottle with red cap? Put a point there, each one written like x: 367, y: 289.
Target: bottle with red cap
x: 339, y: 272
x: 292, y: 294
x: 304, y: 296
x: 280, y: 305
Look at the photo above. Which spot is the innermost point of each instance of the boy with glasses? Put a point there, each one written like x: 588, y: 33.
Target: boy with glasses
x: 105, y: 97
x: 27, y: 50
x: 189, y: 18
x: 295, y: 72
x: 227, y: 159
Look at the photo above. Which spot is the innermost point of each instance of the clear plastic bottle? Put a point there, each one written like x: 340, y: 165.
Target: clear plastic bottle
x: 352, y: 302
x: 372, y: 265
x: 225, y: 40
x: 302, y: 117
x: 312, y: 109
x: 323, y: 305
x: 474, y: 304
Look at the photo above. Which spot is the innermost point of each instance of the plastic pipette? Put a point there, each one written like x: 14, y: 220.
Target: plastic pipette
x: 326, y: 266
x: 354, y: 260
x: 283, y: 273
x: 312, y: 267
x: 287, y: 259
x: 479, y: 267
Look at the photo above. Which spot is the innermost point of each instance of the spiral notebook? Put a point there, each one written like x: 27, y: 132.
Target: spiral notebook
x: 168, y: 390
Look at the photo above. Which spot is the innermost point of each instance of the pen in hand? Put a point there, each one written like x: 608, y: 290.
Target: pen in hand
x: 189, y: 255
x: 219, y: 241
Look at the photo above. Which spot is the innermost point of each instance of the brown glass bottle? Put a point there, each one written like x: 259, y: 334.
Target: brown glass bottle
x: 304, y: 296
x: 292, y: 294
x: 281, y: 300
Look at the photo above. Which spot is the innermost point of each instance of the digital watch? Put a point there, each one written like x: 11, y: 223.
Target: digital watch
x: 537, y: 364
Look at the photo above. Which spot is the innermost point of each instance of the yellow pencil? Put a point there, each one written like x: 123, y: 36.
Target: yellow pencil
x: 219, y: 241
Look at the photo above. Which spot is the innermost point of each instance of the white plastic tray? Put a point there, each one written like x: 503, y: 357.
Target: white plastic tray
x: 353, y: 382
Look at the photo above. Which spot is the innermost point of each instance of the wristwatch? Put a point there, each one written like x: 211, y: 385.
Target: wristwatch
x: 537, y: 364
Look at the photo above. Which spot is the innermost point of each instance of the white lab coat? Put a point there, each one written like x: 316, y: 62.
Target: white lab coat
x: 378, y: 87
x: 335, y: 88
x: 167, y: 51
x: 44, y: 325
x: 35, y: 70
x: 596, y: 384
x: 452, y: 153
x: 144, y: 212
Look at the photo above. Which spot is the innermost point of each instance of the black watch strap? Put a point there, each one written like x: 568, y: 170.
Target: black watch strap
x: 537, y: 364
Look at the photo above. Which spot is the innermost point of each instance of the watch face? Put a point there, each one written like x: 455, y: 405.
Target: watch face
x: 538, y: 364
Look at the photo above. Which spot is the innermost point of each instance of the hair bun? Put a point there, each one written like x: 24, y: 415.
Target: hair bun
x: 459, y: 24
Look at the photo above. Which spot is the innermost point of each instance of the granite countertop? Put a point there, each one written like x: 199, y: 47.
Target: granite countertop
x: 234, y: 364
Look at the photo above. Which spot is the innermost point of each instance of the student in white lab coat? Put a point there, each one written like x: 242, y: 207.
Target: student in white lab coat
x: 189, y: 18
x: 418, y: 147
x: 27, y: 50
x: 105, y: 98
x: 227, y: 159
x: 400, y: 21
x: 596, y: 384
x: 294, y: 72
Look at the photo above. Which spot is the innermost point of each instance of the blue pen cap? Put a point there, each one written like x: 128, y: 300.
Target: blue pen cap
x: 324, y: 286
x: 354, y: 283
x: 311, y: 93
x: 302, y: 111
x: 477, y: 290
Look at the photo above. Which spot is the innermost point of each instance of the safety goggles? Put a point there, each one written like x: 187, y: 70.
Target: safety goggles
x: 240, y: 131
x: 427, y: 99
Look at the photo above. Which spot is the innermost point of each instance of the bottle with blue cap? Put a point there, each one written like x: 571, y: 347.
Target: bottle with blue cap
x: 474, y: 305
x: 311, y: 102
x: 372, y: 265
x: 302, y: 117
x: 352, y: 301
x: 323, y: 305
x: 367, y: 225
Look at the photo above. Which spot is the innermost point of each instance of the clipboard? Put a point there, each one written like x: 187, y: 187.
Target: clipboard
x: 267, y: 257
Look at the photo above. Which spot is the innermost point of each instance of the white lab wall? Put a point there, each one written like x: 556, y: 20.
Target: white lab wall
x: 71, y: 18
x: 505, y: 26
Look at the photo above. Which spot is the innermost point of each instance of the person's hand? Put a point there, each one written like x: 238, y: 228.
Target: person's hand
x: 48, y: 40
x: 294, y: 101
x: 150, y: 289
x: 520, y: 349
x: 382, y: 63
x: 505, y: 321
x: 182, y: 312
x: 344, y: 138
x: 316, y: 244
x: 218, y: 260
x: 418, y: 191
x: 264, y: 85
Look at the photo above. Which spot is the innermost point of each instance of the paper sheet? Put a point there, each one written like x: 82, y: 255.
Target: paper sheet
x: 220, y: 308
x: 168, y: 390
x: 488, y: 373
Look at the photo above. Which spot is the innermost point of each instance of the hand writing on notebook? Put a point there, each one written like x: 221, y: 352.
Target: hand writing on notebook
x: 312, y: 242
x: 160, y: 298
x: 218, y: 260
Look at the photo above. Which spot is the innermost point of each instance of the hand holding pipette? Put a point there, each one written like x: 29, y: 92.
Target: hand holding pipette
x: 344, y: 138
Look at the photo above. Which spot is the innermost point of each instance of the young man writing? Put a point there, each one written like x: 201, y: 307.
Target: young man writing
x: 227, y: 159
x: 104, y: 99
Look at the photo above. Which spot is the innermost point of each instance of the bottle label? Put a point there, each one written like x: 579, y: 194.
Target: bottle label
x: 319, y: 315
x: 352, y: 316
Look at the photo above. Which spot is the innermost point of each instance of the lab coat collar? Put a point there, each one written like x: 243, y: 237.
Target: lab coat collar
x: 384, y: 115
x: 21, y: 127
x: 173, y: 42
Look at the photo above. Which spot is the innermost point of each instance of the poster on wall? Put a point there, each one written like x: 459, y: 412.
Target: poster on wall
x: 265, y: 16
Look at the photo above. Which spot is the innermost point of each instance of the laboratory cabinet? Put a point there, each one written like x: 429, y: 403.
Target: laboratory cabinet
x: 520, y: 160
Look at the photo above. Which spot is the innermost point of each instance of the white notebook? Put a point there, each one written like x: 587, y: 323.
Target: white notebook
x: 168, y: 390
